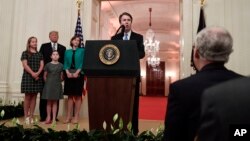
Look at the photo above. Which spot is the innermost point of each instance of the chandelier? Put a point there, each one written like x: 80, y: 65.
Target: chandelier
x: 151, y: 46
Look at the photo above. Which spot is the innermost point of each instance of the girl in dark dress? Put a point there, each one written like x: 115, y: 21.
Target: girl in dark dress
x: 31, y: 84
x: 52, y: 91
x: 73, y: 86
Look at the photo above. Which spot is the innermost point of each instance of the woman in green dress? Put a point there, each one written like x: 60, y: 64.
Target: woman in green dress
x: 73, y: 86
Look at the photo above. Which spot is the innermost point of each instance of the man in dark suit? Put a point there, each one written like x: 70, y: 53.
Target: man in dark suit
x: 224, y: 106
x: 212, y: 48
x: 46, y: 49
x: 126, y: 20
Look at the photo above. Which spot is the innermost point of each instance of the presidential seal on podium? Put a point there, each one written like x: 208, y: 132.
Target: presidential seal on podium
x: 109, y: 54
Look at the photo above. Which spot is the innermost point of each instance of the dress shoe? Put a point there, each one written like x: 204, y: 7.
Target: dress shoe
x: 67, y: 121
x: 47, y: 122
x: 74, y: 120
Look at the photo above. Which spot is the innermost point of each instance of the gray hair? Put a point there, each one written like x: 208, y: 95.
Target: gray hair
x: 214, y: 44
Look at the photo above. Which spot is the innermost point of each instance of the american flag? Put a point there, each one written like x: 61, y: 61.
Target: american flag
x: 78, y: 32
x: 78, y: 29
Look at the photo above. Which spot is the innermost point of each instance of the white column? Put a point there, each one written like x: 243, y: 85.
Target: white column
x: 6, y: 19
x: 186, y: 37
x: 6, y: 14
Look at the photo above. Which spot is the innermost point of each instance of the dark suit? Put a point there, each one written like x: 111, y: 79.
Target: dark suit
x: 183, y: 110
x: 46, y: 50
x: 134, y: 36
x: 223, y: 105
x: 140, y: 46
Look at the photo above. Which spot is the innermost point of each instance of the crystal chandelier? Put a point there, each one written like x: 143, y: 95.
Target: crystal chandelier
x: 152, y: 46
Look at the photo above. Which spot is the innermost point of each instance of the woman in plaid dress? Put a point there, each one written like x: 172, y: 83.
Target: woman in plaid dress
x: 31, y: 84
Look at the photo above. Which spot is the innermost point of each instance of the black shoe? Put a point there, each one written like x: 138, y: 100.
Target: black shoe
x: 57, y: 119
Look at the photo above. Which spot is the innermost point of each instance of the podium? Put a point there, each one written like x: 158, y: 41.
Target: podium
x: 110, y: 83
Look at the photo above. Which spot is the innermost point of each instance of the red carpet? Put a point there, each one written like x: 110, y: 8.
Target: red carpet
x: 152, y: 108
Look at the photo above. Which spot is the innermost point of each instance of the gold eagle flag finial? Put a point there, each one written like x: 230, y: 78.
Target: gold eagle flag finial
x: 79, y: 2
x: 203, y: 2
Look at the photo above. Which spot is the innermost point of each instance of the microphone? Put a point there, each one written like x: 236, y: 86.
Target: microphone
x: 122, y: 27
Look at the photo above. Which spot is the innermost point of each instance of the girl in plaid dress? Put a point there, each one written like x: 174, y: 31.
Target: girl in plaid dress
x: 31, y: 84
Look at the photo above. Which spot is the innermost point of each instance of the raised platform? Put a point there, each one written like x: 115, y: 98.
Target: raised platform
x: 83, y: 124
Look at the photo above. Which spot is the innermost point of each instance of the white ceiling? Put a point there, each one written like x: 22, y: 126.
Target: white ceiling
x: 165, y: 19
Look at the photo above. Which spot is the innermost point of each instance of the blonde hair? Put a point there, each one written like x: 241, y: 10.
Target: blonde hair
x: 53, y: 31
x: 28, y: 44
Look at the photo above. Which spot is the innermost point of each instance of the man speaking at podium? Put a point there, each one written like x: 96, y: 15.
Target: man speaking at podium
x: 126, y: 33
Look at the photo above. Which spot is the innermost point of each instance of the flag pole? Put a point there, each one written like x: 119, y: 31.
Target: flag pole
x: 84, y: 92
x: 201, y: 25
x: 78, y: 29
x: 202, y: 3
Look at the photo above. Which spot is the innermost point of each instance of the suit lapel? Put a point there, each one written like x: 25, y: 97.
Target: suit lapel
x: 50, y: 48
x: 132, y: 36
x: 58, y: 47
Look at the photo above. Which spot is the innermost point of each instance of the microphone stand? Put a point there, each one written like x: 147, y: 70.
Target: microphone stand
x: 122, y: 31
